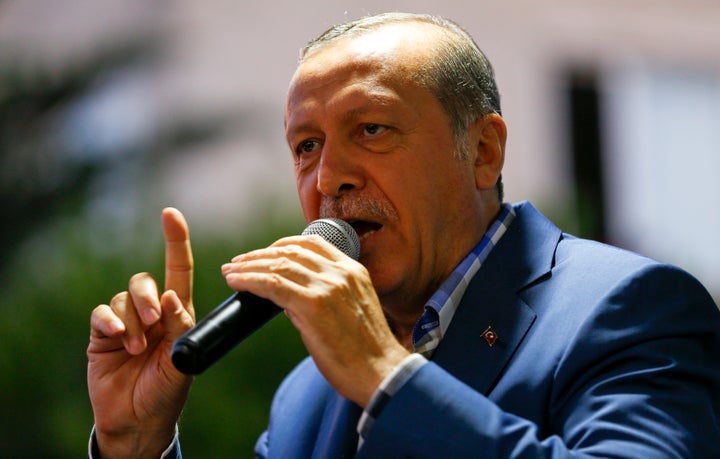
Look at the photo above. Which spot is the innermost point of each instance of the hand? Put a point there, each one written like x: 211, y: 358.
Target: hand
x: 136, y: 392
x: 330, y: 299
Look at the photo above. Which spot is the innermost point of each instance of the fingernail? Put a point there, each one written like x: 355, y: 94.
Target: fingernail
x: 174, y: 301
x: 116, y: 326
x: 150, y: 316
x: 225, y: 268
x: 136, y: 345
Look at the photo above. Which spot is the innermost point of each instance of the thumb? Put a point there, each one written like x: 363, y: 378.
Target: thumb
x: 175, y: 318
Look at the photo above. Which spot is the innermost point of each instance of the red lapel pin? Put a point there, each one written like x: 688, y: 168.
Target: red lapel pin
x: 490, y: 336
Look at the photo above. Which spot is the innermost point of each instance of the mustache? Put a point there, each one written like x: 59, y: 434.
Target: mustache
x: 357, y: 207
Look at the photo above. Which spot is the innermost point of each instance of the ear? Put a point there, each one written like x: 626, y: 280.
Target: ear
x: 487, y: 143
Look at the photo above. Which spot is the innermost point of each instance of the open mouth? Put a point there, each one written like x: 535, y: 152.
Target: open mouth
x: 364, y: 228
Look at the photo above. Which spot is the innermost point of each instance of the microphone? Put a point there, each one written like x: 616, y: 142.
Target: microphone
x: 243, y: 313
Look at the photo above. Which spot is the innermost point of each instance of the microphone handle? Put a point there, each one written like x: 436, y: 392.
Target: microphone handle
x: 243, y: 313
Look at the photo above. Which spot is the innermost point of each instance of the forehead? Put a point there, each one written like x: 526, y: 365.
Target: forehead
x: 406, y: 39
x: 381, y: 62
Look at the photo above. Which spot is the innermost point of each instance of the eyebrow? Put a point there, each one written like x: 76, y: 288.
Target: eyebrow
x: 376, y: 102
x: 304, y: 127
x: 356, y: 113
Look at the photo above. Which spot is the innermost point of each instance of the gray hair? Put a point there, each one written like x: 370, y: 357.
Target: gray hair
x: 459, y: 76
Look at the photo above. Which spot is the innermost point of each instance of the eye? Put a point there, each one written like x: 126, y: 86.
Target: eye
x: 307, y: 146
x: 372, y: 129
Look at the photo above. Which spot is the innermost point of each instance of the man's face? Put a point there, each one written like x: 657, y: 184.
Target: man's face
x: 373, y: 148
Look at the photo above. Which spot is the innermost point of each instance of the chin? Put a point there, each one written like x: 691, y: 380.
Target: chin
x: 384, y: 282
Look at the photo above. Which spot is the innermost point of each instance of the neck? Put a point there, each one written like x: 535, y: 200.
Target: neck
x: 402, y: 311
x: 402, y: 325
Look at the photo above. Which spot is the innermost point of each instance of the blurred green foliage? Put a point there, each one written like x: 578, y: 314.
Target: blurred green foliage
x: 57, y: 265
x: 49, y: 289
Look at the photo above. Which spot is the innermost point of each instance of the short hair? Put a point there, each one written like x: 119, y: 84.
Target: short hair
x: 459, y: 76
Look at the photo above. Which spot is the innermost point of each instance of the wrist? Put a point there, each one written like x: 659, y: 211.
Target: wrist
x: 136, y: 444
x: 381, y: 371
x: 387, y: 389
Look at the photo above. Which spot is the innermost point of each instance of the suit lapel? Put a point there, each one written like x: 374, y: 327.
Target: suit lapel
x: 491, y: 304
x: 465, y: 350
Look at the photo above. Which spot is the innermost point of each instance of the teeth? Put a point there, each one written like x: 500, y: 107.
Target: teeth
x: 366, y: 235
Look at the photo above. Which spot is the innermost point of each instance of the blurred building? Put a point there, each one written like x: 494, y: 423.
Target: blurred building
x: 612, y: 107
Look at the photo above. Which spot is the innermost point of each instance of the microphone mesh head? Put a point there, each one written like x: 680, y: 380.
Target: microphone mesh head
x: 337, y: 232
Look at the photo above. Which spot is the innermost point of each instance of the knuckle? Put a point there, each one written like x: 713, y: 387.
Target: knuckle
x: 141, y: 277
x: 119, y: 298
x: 282, y: 265
x: 357, y: 273
x: 275, y: 280
x: 101, y: 316
x: 289, y: 251
x: 177, y: 267
x: 97, y: 310
x: 97, y: 313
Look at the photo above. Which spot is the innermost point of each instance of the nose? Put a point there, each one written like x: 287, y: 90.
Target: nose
x: 339, y: 171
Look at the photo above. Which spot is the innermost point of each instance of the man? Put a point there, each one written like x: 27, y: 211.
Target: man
x: 468, y: 328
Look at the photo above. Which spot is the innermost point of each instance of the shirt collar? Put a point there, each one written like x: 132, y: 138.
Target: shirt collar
x: 441, y: 307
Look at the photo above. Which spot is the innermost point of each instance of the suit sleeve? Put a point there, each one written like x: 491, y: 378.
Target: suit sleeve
x: 638, y: 379
x: 261, y: 446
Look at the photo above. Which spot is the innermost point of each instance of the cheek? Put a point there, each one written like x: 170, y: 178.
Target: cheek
x: 308, y: 195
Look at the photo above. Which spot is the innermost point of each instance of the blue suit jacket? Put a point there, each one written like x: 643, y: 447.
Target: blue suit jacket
x: 600, y: 352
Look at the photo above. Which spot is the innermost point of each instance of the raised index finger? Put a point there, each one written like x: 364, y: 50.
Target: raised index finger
x: 178, y: 255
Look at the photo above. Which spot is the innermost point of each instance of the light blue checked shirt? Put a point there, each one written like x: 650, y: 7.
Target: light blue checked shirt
x: 431, y: 326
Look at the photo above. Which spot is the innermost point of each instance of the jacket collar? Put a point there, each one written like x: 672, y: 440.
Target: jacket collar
x: 522, y: 258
